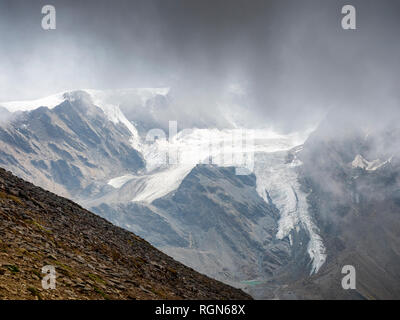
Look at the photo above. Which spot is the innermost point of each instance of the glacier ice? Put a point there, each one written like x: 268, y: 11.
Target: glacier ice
x: 273, y: 174
x: 279, y: 179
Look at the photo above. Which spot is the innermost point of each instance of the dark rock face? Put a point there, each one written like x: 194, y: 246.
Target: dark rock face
x: 142, y: 220
x: 93, y: 258
x: 67, y: 149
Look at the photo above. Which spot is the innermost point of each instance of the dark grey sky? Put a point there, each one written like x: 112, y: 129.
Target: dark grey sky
x: 291, y: 57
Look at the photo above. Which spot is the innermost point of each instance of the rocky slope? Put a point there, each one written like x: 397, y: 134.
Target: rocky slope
x: 93, y: 258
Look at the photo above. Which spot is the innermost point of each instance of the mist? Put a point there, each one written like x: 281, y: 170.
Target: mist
x: 289, y: 63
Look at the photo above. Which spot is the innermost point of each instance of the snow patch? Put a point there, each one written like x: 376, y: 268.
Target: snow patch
x: 120, y: 181
x: 159, y: 184
x: 27, y: 105
x: 360, y: 162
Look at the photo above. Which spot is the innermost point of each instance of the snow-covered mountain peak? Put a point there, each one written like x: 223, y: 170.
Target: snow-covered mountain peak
x: 108, y: 101
x: 100, y: 97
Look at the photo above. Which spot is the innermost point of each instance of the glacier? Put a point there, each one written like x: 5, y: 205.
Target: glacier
x: 278, y: 181
x: 275, y: 178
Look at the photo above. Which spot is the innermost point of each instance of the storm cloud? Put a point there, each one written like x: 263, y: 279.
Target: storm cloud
x: 291, y: 59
